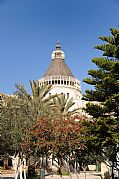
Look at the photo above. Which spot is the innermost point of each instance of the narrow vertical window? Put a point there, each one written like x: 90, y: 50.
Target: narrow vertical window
x: 67, y: 95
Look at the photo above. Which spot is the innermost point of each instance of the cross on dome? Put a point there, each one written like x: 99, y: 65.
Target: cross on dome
x: 58, y: 46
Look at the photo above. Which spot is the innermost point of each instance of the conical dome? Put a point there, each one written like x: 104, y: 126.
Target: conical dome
x: 58, y: 67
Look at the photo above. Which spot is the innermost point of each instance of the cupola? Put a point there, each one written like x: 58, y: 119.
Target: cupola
x: 58, y: 53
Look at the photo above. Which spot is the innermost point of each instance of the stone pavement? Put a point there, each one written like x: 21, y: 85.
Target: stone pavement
x: 80, y: 176
x: 73, y: 176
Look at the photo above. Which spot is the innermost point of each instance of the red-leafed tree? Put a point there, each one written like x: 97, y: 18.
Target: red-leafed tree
x: 59, y: 136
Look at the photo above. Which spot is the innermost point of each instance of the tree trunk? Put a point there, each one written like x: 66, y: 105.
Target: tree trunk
x: 17, y: 166
x: 16, y: 176
x: 20, y: 169
x: 75, y: 170
x: 85, y: 172
x: 24, y: 163
x: 31, y: 166
x: 112, y: 169
x: 69, y: 169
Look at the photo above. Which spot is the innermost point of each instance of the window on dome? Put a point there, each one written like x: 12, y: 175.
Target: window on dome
x: 55, y: 81
x: 52, y: 82
x: 64, y: 82
x: 67, y: 82
x: 59, y: 82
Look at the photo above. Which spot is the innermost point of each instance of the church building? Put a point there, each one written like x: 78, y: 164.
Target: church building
x: 61, y: 78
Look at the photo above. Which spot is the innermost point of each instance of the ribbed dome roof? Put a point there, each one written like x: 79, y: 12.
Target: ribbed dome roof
x: 58, y: 67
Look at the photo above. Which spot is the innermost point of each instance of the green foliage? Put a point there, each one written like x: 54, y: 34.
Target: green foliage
x: 108, y: 39
x: 103, y: 130
x: 94, y: 110
x: 103, y: 63
x: 111, y: 49
x: 19, y: 113
x: 38, y: 102
x: 62, y: 105
x: 114, y: 31
x: 23, y: 132
x: 15, y: 123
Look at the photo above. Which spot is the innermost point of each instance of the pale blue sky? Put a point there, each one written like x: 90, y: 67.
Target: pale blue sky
x: 29, y: 30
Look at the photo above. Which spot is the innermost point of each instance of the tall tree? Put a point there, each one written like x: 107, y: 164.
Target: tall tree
x: 39, y: 104
x: 103, y: 106
x: 58, y: 136
x: 19, y: 112
x: 15, y: 123
x: 39, y: 100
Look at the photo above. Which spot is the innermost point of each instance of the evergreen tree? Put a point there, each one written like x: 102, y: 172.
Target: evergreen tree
x: 103, y: 100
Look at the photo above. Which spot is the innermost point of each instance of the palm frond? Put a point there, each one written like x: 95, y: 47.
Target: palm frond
x: 21, y: 91
x: 62, y: 104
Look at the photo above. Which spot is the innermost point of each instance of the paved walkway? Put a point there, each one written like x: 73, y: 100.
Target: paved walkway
x: 73, y: 176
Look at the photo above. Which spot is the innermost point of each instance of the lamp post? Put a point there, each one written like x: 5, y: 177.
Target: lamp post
x: 42, y: 171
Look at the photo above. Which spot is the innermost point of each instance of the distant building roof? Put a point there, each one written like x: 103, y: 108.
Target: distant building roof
x: 58, y: 65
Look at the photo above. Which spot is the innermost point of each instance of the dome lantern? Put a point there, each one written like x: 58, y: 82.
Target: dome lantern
x: 58, y: 46
x: 58, y: 53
